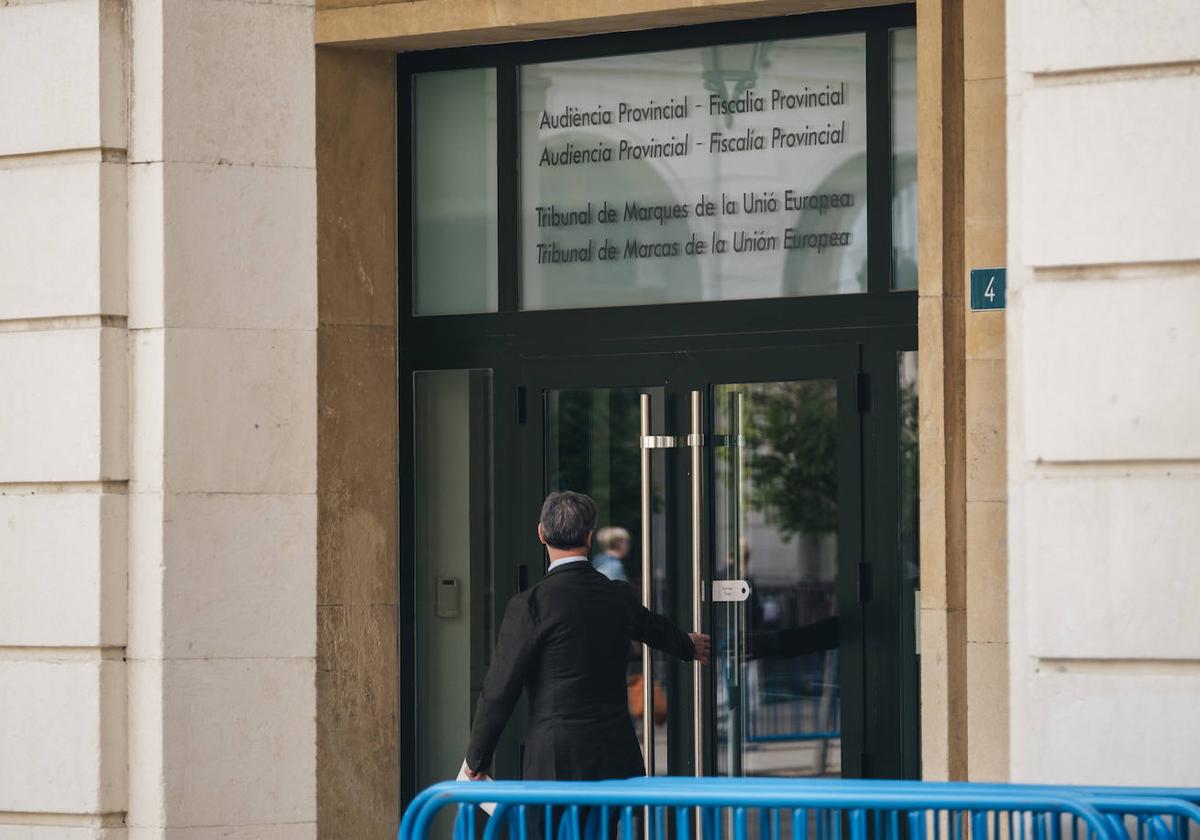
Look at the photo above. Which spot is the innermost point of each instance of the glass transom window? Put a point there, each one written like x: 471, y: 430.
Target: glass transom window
x: 754, y: 170
x: 706, y: 174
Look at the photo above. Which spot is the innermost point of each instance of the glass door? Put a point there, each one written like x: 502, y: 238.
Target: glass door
x: 780, y: 538
x: 775, y: 570
x: 584, y: 421
x: 592, y: 446
x: 729, y: 491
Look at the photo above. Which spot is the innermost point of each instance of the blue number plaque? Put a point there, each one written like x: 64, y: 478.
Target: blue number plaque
x: 987, y: 288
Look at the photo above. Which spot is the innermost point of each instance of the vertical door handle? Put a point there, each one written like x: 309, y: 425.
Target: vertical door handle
x: 695, y: 442
x: 737, y: 441
x: 647, y: 592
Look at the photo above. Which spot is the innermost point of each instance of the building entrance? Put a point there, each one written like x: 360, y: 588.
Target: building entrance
x: 730, y: 491
x: 712, y: 334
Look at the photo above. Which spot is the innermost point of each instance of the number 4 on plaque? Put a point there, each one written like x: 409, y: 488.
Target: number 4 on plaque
x: 988, y: 287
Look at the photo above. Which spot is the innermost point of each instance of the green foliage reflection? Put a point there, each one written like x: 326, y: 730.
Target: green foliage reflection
x: 792, y: 455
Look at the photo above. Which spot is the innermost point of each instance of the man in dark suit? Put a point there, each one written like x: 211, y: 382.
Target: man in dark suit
x: 566, y: 641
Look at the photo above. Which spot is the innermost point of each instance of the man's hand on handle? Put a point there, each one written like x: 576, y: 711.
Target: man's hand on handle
x: 703, y: 646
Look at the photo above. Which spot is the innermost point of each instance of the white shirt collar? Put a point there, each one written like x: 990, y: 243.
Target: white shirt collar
x: 562, y: 561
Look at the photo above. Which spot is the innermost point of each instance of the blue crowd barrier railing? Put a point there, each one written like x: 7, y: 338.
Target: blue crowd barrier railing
x: 766, y: 809
x: 1150, y: 813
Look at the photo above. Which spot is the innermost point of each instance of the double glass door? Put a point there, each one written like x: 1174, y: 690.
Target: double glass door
x: 730, y: 494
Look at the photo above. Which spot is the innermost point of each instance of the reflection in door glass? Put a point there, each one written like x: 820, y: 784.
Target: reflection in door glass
x: 592, y: 446
x: 776, y: 519
x: 906, y: 361
x: 904, y: 158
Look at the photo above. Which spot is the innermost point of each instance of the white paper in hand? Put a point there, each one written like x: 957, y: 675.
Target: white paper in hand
x: 488, y: 807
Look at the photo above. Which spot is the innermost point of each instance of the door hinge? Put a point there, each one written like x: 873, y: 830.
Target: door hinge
x: 521, y: 405
x: 863, y: 392
x: 864, y: 582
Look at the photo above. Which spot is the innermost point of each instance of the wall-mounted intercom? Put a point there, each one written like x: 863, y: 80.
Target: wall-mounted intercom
x: 447, y: 597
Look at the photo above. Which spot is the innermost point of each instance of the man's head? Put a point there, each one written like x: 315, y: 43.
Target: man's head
x: 567, y: 521
x: 613, y: 540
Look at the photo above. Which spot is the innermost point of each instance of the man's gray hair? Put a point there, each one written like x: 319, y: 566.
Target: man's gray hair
x: 567, y: 518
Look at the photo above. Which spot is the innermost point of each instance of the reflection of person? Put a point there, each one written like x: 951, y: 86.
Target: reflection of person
x: 765, y: 639
x: 565, y: 641
x: 796, y: 641
x: 613, y: 543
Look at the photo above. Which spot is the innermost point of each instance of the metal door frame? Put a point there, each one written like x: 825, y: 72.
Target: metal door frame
x: 881, y: 321
x: 877, y: 697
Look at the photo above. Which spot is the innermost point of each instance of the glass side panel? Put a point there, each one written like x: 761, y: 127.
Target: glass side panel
x: 775, y: 479
x: 454, y: 192
x: 715, y: 173
x: 592, y: 447
x: 910, y: 502
x: 904, y: 158
x: 453, y: 539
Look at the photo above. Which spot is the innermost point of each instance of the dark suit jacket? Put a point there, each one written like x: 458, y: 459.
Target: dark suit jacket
x: 566, y: 641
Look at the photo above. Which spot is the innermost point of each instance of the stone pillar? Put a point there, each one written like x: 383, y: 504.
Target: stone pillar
x: 358, y: 680
x: 941, y: 389
x: 222, y: 501
x: 64, y: 420
x: 985, y: 191
x: 1104, y: 390
x: 964, y: 632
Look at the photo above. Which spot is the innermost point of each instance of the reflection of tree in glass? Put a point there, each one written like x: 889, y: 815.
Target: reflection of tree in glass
x: 595, y: 433
x: 909, y: 477
x: 792, y: 457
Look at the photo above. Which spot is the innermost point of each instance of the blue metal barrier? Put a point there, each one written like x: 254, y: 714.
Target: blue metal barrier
x: 776, y: 809
x: 1141, y: 813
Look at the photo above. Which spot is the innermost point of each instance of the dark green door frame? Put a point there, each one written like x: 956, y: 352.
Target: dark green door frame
x: 879, y: 682
x: 879, y: 323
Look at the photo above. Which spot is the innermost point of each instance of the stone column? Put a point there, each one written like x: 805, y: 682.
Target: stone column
x: 63, y: 419
x: 222, y: 501
x: 358, y: 680
x: 1104, y: 390
x: 985, y: 193
x: 941, y: 385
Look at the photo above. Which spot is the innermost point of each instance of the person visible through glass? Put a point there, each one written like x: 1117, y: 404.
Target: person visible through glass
x: 612, y: 544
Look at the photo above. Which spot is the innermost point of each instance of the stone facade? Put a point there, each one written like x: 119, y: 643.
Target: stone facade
x: 158, y: 312
x: 1104, y: 326
x: 198, y: 480
x: 64, y: 442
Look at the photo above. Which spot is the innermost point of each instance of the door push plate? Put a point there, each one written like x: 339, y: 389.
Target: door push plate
x: 730, y: 590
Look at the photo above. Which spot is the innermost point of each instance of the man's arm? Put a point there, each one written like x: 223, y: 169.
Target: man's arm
x: 502, y: 687
x: 659, y: 632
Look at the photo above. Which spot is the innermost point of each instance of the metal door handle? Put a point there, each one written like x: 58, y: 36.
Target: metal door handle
x: 696, y: 441
x: 647, y: 654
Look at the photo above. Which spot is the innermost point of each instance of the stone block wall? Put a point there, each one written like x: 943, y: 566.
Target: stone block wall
x: 963, y: 392
x: 1104, y: 378
x: 358, y: 681
x: 158, y: 355
x: 64, y: 443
